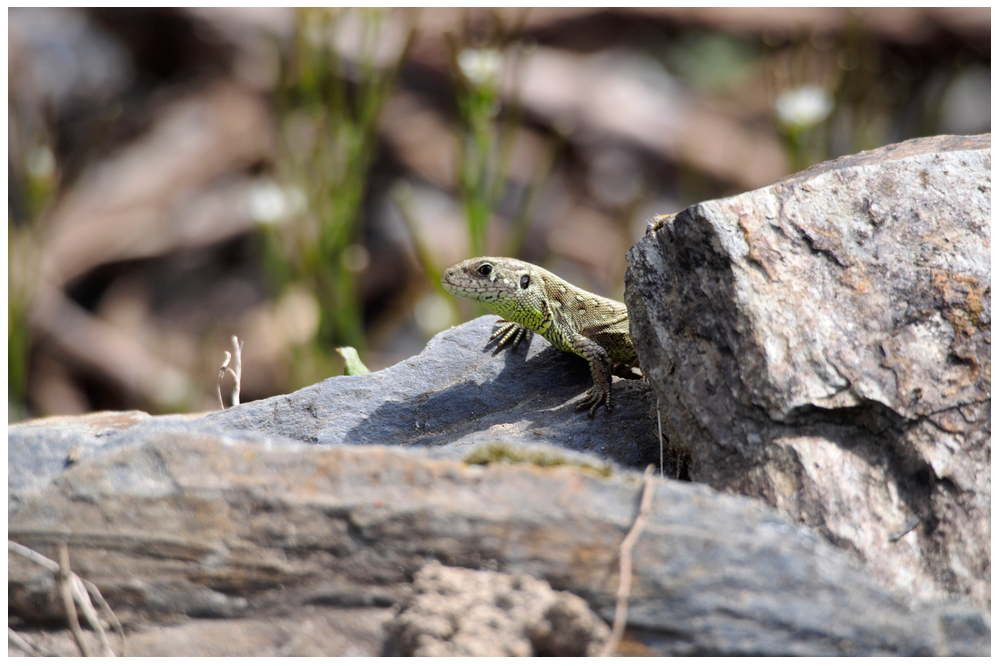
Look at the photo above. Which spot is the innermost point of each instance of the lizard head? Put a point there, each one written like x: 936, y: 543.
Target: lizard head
x: 507, y: 287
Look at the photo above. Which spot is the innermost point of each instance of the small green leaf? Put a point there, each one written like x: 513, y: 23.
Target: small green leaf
x: 352, y: 362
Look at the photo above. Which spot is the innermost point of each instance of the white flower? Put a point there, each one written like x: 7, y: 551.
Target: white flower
x: 269, y: 203
x: 803, y: 107
x: 481, y: 66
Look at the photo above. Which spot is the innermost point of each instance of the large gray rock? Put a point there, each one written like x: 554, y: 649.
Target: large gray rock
x: 824, y: 344
x: 172, y: 524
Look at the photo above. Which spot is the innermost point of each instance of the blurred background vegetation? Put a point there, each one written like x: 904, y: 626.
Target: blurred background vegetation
x: 300, y: 178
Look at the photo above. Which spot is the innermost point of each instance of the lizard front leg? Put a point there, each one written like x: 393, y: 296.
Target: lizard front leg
x: 600, y: 370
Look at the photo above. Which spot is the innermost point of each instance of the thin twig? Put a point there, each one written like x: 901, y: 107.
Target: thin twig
x: 81, y: 591
x: 23, y: 645
x: 236, y: 372
x: 67, y: 596
x: 35, y: 557
x: 659, y: 430
x: 237, y: 369
x: 89, y: 612
x: 222, y: 375
x: 625, y: 564
x: 95, y: 593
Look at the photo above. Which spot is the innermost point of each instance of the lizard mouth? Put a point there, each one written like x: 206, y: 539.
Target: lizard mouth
x: 447, y: 281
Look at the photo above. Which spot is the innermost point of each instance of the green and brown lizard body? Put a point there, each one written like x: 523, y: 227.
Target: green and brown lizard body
x: 531, y: 298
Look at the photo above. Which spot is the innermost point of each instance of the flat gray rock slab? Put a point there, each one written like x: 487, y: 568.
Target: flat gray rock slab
x: 449, y: 399
x: 188, y: 525
x: 457, y: 394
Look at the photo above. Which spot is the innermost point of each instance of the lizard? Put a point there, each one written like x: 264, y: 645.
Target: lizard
x: 530, y: 298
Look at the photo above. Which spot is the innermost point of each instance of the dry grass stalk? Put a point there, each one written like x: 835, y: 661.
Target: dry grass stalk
x: 236, y: 372
x: 72, y: 589
x: 625, y: 564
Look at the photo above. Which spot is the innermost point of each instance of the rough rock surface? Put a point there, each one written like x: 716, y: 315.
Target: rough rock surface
x: 464, y: 613
x: 457, y: 394
x: 178, y: 524
x: 824, y: 344
x: 308, y: 631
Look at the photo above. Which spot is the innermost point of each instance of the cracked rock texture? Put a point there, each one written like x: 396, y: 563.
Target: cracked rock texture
x: 824, y: 344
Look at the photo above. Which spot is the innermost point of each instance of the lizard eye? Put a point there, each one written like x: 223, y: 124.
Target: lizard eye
x: 525, y: 281
x: 485, y: 269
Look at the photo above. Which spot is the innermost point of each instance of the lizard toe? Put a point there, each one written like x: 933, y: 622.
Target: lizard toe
x: 595, y: 396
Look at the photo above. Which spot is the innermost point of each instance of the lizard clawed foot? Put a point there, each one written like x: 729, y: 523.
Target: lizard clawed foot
x: 595, y: 396
x: 510, y: 333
